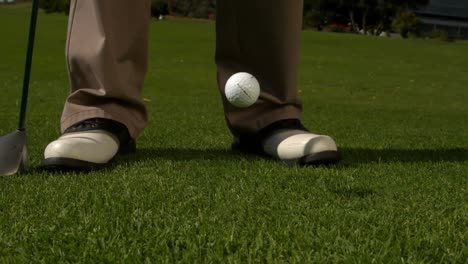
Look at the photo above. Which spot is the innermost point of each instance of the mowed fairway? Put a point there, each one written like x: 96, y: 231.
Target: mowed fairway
x: 397, y: 108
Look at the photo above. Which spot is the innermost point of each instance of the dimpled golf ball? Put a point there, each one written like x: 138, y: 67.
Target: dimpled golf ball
x: 242, y: 90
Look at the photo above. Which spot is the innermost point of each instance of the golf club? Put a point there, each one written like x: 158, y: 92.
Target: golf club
x: 13, y: 153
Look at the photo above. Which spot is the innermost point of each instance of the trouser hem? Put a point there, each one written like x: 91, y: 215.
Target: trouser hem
x: 99, y: 113
x: 258, y: 123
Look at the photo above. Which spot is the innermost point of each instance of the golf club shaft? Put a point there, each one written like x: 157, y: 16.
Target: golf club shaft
x: 27, y: 68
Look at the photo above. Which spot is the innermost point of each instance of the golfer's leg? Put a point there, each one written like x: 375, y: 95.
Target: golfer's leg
x: 107, y: 60
x: 260, y: 37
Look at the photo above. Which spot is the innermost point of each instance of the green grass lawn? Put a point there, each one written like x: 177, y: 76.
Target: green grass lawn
x: 397, y: 108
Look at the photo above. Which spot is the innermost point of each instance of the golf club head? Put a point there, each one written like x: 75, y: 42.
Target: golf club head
x: 13, y: 154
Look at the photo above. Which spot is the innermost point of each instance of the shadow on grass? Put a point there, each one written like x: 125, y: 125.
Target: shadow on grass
x: 351, y: 156
x: 182, y: 154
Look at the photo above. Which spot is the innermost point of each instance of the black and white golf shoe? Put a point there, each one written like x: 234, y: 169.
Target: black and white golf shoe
x: 88, y: 145
x: 290, y: 142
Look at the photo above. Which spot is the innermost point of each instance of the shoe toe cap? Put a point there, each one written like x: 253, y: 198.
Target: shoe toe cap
x: 293, y: 147
x: 95, y: 147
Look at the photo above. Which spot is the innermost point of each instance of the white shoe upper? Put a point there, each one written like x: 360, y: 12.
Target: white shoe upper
x: 289, y: 144
x: 96, y: 146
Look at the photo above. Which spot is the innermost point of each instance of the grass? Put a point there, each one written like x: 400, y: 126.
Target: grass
x: 397, y: 108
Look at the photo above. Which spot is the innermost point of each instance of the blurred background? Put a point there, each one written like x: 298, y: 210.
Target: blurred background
x: 442, y: 19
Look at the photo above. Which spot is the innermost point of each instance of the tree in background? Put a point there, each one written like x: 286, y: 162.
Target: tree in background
x: 363, y: 15
x: 406, y: 23
x: 55, y: 6
x: 159, y: 8
x: 407, y: 4
x: 319, y: 13
x: 192, y: 8
x: 374, y: 16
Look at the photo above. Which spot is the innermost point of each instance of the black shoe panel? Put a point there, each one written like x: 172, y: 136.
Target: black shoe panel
x: 119, y: 130
x: 252, y: 143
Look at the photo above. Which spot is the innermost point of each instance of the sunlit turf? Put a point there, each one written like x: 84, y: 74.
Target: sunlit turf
x: 397, y: 108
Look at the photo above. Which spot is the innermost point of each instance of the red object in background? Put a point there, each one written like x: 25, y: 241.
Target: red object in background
x: 340, y: 25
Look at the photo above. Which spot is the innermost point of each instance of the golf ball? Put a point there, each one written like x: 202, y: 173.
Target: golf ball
x: 242, y: 90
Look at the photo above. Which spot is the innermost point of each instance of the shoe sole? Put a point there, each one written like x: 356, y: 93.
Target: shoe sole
x: 66, y: 164
x: 317, y: 159
x: 321, y: 158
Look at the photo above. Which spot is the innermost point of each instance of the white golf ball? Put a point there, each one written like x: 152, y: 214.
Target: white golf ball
x: 242, y: 90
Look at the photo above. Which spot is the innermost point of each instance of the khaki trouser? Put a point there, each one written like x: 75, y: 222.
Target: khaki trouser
x: 107, y: 56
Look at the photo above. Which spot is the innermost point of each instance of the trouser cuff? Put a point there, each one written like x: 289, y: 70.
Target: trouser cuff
x: 80, y: 116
